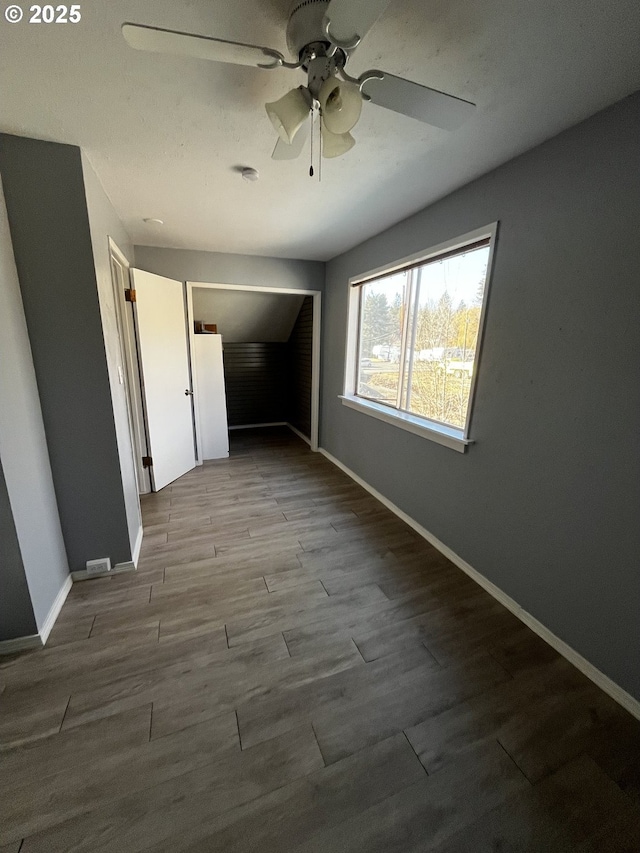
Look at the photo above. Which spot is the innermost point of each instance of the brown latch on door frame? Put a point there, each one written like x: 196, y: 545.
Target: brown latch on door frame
x: 147, y: 462
x: 130, y: 295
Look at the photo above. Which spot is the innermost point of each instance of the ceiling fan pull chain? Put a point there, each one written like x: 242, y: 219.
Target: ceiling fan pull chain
x: 313, y: 115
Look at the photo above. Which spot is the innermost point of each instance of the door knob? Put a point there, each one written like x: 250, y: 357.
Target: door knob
x: 188, y: 393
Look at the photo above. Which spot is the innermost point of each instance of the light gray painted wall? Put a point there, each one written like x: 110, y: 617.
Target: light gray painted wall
x: 546, y: 503
x: 45, y: 198
x: 247, y: 315
x: 220, y: 268
x: 25, y: 461
x: 104, y: 223
x: 16, y: 613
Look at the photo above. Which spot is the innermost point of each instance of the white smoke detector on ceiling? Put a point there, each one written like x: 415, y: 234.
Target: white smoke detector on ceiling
x: 249, y: 174
x: 151, y: 221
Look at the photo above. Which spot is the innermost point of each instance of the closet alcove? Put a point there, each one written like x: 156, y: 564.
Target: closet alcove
x: 259, y: 365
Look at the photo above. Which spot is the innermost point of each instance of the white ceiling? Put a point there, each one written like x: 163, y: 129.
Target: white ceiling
x: 166, y: 134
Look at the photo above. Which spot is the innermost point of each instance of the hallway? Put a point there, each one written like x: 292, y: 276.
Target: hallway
x: 292, y: 668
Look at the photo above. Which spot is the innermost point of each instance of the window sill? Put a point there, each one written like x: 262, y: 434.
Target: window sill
x: 446, y: 436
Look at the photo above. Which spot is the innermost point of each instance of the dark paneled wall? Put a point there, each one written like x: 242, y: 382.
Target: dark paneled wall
x: 257, y: 382
x: 300, y: 348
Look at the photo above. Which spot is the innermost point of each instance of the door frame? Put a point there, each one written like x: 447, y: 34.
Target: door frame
x: 315, y: 346
x: 132, y: 379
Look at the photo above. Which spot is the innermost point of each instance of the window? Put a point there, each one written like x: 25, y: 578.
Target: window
x: 414, y: 337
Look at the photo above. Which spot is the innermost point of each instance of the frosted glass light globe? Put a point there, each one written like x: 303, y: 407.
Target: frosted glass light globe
x: 289, y: 113
x: 341, y: 105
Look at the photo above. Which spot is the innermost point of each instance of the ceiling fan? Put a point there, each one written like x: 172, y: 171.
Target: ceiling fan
x: 323, y: 35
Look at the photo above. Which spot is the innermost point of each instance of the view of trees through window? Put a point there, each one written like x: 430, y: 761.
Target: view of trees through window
x: 419, y: 334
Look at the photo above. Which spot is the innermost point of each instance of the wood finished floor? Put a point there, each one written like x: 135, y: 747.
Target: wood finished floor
x: 293, y: 669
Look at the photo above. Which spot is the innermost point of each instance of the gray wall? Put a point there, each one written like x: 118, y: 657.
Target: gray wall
x: 45, y: 198
x: 25, y: 462
x: 16, y: 612
x: 104, y: 223
x: 545, y: 504
x: 220, y: 268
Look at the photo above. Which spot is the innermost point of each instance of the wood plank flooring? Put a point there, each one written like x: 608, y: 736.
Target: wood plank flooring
x: 292, y: 669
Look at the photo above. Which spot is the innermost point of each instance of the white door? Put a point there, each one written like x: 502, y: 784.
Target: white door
x: 164, y: 365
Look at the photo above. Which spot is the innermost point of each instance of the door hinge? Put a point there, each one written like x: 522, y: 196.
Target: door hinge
x: 129, y: 295
x: 147, y: 462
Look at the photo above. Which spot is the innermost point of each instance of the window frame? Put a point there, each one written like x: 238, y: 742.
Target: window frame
x: 453, y: 437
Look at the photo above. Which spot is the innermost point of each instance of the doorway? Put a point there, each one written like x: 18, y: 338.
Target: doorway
x: 271, y: 339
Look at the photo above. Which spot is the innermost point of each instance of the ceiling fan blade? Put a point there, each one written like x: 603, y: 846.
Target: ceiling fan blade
x: 412, y: 99
x: 199, y: 47
x: 350, y: 20
x: 284, y: 151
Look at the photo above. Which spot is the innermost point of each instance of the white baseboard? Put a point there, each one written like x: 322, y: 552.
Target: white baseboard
x: 136, y: 548
x: 603, y: 681
x: 56, y: 607
x: 118, y: 569
x: 299, y: 434
x: 37, y: 641
x: 20, y: 644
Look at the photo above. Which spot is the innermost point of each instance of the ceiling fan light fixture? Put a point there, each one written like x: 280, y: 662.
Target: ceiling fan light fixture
x: 323, y: 35
x: 289, y: 113
x: 335, y: 144
x: 341, y: 105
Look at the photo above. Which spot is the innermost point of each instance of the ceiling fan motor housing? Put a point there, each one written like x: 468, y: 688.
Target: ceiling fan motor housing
x: 305, y: 24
